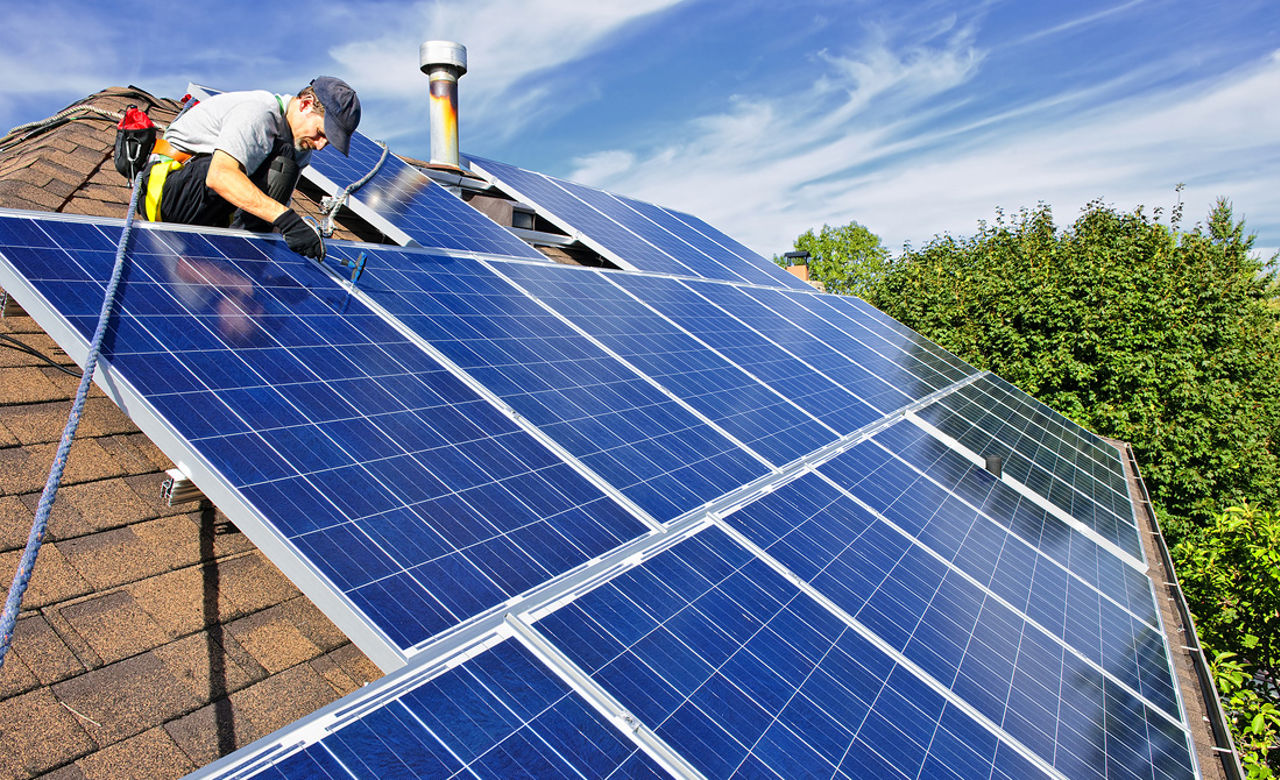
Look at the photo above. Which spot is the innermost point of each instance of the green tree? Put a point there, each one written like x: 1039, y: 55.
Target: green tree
x: 1135, y: 330
x: 846, y: 259
x: 1230, y: 573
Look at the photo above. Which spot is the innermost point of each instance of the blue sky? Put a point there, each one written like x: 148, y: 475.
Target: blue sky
x: 764, y: 118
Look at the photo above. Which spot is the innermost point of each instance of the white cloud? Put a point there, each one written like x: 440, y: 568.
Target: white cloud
x: 766, y: 170
x: 34, y: 60
x: 509, y: 42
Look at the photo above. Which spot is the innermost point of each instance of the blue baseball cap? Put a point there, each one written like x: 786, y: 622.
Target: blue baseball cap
x: 341, y: 110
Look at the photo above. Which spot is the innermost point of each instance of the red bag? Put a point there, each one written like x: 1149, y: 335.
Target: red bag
x: 135, y: 137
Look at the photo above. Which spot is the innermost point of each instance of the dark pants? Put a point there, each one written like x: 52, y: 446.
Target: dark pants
x: 189, y: 201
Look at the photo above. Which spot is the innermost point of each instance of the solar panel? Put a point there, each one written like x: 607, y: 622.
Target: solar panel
x: 404, y: 203
x: 1071, y: 713
x: 759, y: 416
x: 741, y: 672
x: 781, y: 277
x: 622, y: 523
x: 1055, y: 458
x: 635, y: 234
x: 1094, y: 623
x: 1078, y: 553
x: 843, y: 408
x: 890, y: 330
x: 395, y: 495
x: 500, y: 713
x: 654, y: 450
x: 900, y: 363
x: 884, y: 393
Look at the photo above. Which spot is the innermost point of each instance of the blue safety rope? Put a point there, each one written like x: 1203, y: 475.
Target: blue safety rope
x: 12, y: 605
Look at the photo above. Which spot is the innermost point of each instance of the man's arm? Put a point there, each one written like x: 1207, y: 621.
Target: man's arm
x: 227, y: 178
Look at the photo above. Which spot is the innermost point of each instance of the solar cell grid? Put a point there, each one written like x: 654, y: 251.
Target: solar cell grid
x: 1101, y: 461
x: 641, y: 235
x: 1092, y: 623
x: 500, y: 714
x: 1081, y: 482
x: 881, y: 392
x: 747, y: 409
x: 817, y: 315
x: 572, y: 215
x: 816, y: 393
x: 657, y: 453
x: 1027, y: 520
x: 986, y: 653
x: 697, y: 263
x: 895, y: 332
x: 692, y: 246
x: 382, y: 471
x: 780, y: 276
x: 741, y: 673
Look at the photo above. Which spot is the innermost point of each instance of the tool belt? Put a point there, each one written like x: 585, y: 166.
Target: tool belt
x: 166, y: 149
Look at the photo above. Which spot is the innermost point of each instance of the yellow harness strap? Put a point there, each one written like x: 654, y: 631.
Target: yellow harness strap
x: 155, y: 185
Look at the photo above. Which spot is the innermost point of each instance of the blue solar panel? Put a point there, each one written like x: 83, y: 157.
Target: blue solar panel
x: 500, y: 714
x: 781, y: 277
x: 742, y: 674
x: 1097, y: 624
x: 1057, y: 459
x: 418, y: 501
x: 1078, y: 553
x: 1073, y: 715
x: 643, y: 236
x: 572, y: 215
x: 881, y: 392
x: 837, y: 406
x: 441, y: 443
x: 409, y: 201
x: 897, y: 362
x: 752, y: 412
x: 656, y: 452
x: 892, y: 331
x: 677, y: 238
x: 661, y: 236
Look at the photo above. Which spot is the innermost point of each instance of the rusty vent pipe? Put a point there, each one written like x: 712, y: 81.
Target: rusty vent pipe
x: 444, y: 62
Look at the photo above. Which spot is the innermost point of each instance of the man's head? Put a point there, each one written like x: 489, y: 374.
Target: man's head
x: 326, y: 111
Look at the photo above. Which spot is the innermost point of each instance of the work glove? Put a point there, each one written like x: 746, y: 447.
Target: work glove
x: 301, y: 237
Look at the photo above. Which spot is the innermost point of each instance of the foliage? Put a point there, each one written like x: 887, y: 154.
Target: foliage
x: 1255, y: 720
x: 1138, y: 331
x: 1230, y: 574
x: 846, y: 259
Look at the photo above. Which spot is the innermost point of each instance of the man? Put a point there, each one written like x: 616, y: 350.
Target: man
x: 238, y: 155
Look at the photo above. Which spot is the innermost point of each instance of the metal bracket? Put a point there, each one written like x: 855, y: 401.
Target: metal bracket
x: 178, y: 488
x: 9, y: 307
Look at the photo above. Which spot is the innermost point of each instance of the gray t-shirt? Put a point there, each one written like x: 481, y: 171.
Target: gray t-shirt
x: 245, y: 125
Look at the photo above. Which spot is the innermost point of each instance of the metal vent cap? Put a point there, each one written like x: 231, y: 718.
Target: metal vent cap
x: 432, y: 54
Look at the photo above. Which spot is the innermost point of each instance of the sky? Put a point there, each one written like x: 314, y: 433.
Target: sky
x: 765, y: 118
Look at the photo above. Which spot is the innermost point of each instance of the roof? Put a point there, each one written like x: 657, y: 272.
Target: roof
x: 153, y: 638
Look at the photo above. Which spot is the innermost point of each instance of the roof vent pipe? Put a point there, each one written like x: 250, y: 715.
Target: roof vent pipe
x: 444, y: 62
